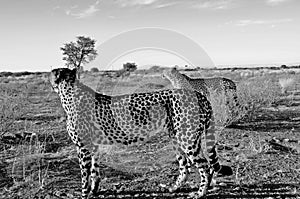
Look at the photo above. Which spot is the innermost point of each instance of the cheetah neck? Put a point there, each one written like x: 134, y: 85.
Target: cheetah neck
x: 71, y: 95
x: 81, y: 90
x: 66, y: 95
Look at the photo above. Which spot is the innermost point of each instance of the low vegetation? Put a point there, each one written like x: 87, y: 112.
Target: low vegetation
x: 13, y: 105
x: 38, y: 159
x: 94, y: 70
x: 286, y: 83
x: 252, y: 95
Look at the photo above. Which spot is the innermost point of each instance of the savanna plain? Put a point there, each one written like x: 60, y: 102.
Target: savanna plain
x: 258, y: 138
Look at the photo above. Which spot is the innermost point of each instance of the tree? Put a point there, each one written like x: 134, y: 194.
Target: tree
x: 283, y: 66
x: 94, y: 70
x: 129, y: 67
x: 79, y: 53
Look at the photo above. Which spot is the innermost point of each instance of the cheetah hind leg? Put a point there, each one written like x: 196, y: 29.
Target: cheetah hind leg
x: 205, y: 180
x: 184, y: 170
x: 203, y: 168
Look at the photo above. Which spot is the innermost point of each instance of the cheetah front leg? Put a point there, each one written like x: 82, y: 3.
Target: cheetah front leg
x: 203, y: 186
x: 85, y: 165
x: 94, y: 175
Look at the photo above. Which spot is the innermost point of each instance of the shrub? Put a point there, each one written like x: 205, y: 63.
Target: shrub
x: 24, y: 73
x: 122, y: 73
x: 283, y: 66
x: 129, y: 67
x: 94, y: 70
x: 155, y: 68
x: 5, y: 74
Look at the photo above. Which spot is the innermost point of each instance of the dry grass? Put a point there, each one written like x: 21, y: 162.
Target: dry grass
x: 29, y: 168
x: 39, y: 166
x: 286, y: 83
x: 13, y: 105
x: 252, y: 95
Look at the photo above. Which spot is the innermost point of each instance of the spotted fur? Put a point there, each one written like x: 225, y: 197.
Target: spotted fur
x: 203, y: 85
x: 94, y: 119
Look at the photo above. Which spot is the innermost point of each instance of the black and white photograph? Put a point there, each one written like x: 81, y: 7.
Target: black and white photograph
x: 149, y: 99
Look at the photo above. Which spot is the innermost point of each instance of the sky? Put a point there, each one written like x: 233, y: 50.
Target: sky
x: 232, y: 32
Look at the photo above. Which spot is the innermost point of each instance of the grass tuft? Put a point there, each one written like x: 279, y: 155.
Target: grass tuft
x: 286, y: 83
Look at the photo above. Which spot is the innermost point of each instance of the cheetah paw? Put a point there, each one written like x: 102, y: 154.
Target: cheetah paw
x: 173, y: 188
x: 196, y: 195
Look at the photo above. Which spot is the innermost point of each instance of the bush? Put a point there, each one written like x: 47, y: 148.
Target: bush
x: 94, y: 70
x: 122, y: 73
x: 5, y: 74
x: 129, y: 67
x: 24, y: 73
x: 155, y: 68
x: 252, y: 95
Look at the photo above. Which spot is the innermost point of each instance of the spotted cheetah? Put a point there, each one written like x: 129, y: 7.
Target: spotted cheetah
x: 203, y: 85
x: 94, y: 119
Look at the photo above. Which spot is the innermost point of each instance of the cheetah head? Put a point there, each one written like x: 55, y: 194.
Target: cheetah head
x: 168, y: 73
x: 171, y: 75
x: 62, y: 76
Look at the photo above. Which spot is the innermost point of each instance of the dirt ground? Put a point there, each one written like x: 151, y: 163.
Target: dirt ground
x: 38, y: 160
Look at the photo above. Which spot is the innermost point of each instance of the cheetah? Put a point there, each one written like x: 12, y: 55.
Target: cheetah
x: 203, y: 85
x: 94, y: 120
x: 219, y: 84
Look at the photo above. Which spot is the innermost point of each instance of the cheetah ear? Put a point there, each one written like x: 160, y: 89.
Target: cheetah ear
x: 56, y: 75
x: 73, y: 73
